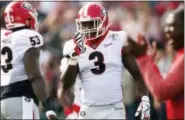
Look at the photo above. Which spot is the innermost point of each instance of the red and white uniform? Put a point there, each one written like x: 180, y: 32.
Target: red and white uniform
x: 101, y: 67
x: 15, y: 45
x: 100, y: 72
x: 13, y: 74
x: 18, y: 100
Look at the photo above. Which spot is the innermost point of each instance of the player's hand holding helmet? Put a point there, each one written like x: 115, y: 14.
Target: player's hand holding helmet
x: 144, y: 108
x: 49, y: 109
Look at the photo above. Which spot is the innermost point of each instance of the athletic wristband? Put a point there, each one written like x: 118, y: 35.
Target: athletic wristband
x: 68, y: 111
x: 72, y: 62
x: 50, y: 112
x: 76, y: 108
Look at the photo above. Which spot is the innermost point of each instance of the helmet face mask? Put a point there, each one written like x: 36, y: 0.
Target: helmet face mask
x: 93, y: 23
x: 90, y: 29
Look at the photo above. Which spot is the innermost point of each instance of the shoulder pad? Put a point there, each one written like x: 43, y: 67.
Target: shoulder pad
x: 68, y: 47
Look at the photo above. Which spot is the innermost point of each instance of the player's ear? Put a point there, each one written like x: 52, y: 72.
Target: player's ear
x: 28, y: 23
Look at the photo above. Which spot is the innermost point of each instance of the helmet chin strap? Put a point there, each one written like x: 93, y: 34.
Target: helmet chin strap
x: 108, y: 26
x: 106, y: 29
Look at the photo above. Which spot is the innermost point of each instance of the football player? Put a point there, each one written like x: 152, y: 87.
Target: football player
x: 21, y: 81
x: 170, y: 88
x: 98, y: 57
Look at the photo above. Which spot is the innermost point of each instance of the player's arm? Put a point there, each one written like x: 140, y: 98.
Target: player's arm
x: 163, y: 89
x: 68, y: 77
x: 66, y: 98
x: 64, y: 95
x: 69, y: 70
x: 32, y: 68
x: 131, y: 65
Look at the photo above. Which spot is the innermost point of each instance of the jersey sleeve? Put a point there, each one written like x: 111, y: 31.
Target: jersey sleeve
x: 163, y: 88
x: 63, y: 64
x: 123, y: 36
x: 68, y: 47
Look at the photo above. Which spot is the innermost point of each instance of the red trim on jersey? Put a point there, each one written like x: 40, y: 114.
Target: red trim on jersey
x: 95, y: 43
x: 7, y: 33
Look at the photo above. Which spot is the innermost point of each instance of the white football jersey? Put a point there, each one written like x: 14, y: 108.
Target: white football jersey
x: 13, y: 48
x: 101, y: 69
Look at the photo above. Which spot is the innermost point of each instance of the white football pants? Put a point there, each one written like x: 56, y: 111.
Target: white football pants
x: 19, y: 108
x: 110, y: 111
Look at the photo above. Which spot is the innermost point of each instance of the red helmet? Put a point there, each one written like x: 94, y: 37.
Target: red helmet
x: 96, y: 17
x: 19, y: 14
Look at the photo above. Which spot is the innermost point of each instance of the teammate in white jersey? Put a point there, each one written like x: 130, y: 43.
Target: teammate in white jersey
x: 98, y: 57
x: 21, y: 80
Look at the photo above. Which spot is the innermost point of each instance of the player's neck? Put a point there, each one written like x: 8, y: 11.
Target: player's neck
x: 20, y: 28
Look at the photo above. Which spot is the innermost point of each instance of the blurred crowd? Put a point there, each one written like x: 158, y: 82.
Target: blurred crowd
x: 57, y: 25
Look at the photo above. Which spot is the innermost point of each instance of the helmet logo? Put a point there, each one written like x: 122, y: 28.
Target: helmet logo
x: 27, y: 6
x: 103, y: 12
